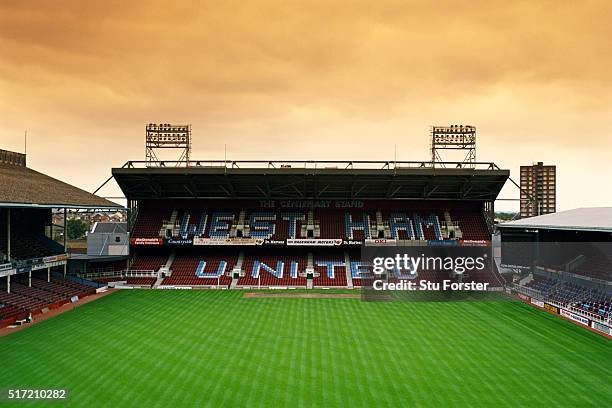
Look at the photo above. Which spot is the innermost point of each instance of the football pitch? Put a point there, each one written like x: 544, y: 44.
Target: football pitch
x: 217, y: 348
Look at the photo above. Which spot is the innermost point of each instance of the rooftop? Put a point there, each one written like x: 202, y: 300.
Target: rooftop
x: 20, y: 186
x: 584, y: 219
x: 254, y: 179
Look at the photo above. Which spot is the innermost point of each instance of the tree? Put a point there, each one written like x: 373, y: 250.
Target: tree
x: 76, y: 228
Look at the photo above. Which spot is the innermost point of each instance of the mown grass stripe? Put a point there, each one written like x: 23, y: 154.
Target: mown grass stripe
x: 214, y: 348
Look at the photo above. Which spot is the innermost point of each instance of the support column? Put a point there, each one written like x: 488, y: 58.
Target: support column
x: 65, y: 232
x: 30, y: 279
x: 129, y: 232
x: 48, y: 274
x: 65, y: 267
x: 8, y: 235
x: 8, y: 284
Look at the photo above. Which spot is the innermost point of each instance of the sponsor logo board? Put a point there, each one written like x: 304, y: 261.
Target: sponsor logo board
x: 574, y: 317
x: 601, y: 328
x: 146, y: 241
x: 313, y: 242
x: 524, y: 297
x: 551, y: 308
x: 381, y: 242
x: 55, y: 258
x: 442, y: 242
x: 178, y: 241
x: 471, y: 242
x: 226, y: 241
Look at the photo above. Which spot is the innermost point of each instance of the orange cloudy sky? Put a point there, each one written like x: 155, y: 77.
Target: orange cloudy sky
x: 311, y: 80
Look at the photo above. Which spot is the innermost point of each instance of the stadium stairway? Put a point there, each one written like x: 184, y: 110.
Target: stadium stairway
x: 237, y: 268
x: 158, y: 281
x: 526, y: 280
x: 310, y: 264
x: 168, y: 264
x: 167, y: 267
x: 349, y: 275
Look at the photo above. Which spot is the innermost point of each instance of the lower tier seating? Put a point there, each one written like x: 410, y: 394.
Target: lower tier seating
x: 24, y: 299
x: 192, y: 269
x: 329, y: 277
x: 280, y: 270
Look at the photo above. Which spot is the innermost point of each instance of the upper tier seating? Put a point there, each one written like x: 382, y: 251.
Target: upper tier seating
x: 149, y: 222
x: 213, y: 220
x: 28, y: 246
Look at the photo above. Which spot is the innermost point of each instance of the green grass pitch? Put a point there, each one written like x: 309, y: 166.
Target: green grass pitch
x: 215, y: 348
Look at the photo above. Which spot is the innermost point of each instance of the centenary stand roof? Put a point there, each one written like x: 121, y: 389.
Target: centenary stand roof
x: 311, y: 180
x: 583, y: 219
x: 21, y: 186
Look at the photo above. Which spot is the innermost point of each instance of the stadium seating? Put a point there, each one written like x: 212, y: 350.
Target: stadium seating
x: 472, y: 224
x: 28, y: 246
x: 147, y: 261
x: 165, y: 220
x: 24, y: 299
x: 543, y: 285
x: 271, y: 267
x: 149, y: 222
x: 185, y: 269
x: 9, y: 314
x: 323, y: 266
x: 571, y: 294
x: 194, y: 263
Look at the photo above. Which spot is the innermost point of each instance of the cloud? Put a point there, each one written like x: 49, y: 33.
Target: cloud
x: 286, y: 78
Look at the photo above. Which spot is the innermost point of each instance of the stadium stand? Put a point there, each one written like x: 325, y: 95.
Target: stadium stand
x: 28, y: 254
x: 254, y: 224
x: 201, y: 223
x: 191, y: 227
x: 569, y: 256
